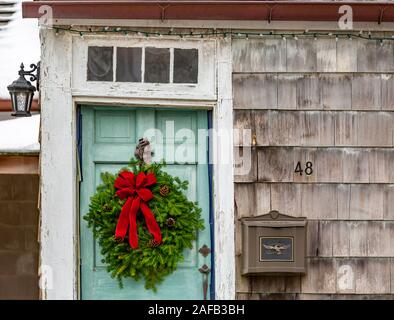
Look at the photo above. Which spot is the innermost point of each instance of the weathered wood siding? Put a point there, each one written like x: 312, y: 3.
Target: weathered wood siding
x: 329, y: 102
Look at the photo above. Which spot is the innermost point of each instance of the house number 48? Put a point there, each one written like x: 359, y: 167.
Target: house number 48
x: 308, y: 168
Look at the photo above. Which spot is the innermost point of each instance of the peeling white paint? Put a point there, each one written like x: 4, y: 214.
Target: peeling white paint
x: 62, y: 87
x: 224, y: 178
x: 203, y: 90
x: 58, y: 168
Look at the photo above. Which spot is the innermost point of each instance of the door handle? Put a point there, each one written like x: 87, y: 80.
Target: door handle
x: 204, y: 270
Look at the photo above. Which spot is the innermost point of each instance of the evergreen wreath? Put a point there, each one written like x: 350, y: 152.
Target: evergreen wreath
x: 178, y: 218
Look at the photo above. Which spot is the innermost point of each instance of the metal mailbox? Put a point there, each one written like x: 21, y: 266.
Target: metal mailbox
x: 273, y: 243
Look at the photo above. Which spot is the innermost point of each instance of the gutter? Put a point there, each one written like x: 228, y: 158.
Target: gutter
x: 367, y: 11
x: 6, y: 106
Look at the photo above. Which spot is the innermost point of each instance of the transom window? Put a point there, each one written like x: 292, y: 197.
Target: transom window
x: 142, y: 64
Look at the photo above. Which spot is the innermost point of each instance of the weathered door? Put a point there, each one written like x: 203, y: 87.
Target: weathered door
x: 109, y: 138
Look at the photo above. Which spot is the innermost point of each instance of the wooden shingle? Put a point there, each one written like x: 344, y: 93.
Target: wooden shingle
x: 319, y: 201
x: 366, y: 202
x: 343, y: 191
x: 275, y: 284
x: 245, y: 164
x: 346, y: 53
x: 245, y: 199
x: 312, y: 238
x: 321, y: 276
x: 287, y: 91
x: 242, y: 283
x: 355, y: 165
x: 308, y: 92
x: 346, y: 129
x: 326, y: 55
x: 388, y: 202
x: 366, y: 92
x: 263, y: 198
x: 336, y: 91
x: 261, y: 127
x: 255, y: 55
x: 387, y: 82
x: 366, y: 55
x: 375, y: 129
x: 286, y: 198
x: 358, y: 235
x: 373, y: 276
x: 385, y: 57
x: 329, y: 165
x: 255, y: 91
x: 379, y: 239
x: 243, y: 128
x: 301, y: 55
x: 341, y: 238
x: 285, y: 128
x: 326, y: 236
x: 275, y: 164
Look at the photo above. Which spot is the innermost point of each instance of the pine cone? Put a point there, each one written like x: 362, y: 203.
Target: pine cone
x: 170, y: 222
x: 106, y: 208
x: 153, y: 243
x: 164, y: 191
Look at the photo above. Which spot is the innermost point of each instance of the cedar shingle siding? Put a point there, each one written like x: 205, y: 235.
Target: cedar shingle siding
x: 329, y: 102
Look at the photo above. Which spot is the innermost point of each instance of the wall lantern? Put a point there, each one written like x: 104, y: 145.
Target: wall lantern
x: 22, y: 91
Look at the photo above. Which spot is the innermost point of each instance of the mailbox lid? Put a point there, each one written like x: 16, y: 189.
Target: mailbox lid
x: 274, y: 219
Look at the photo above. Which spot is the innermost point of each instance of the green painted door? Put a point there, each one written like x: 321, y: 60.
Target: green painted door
x: 109, y: 138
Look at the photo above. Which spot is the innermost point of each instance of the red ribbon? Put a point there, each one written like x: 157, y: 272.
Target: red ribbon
x: 135, y: 190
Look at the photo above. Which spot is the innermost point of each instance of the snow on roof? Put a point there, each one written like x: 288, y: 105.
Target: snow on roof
x: 19, y: 135
x: 19, y: 42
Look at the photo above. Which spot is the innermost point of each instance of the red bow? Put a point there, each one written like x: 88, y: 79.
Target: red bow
x: 136, y: 191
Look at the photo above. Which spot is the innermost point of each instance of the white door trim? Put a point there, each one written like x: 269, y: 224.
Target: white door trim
x: 58, y: 228
x: 224, y: 177
x: 59, y: 257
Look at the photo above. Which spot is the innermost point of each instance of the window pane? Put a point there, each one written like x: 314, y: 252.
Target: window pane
x: 185, y: 65
x: 100, y: 64
x: 128, y: 64
x: 157, y: 65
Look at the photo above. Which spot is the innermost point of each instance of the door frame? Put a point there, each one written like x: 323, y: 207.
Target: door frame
x: 59, y: 225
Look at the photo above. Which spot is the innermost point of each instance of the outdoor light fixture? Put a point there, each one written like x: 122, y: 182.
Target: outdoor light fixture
x: 22, y: 91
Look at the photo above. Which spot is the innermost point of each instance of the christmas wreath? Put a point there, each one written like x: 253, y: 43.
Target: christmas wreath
x: 143, y: 222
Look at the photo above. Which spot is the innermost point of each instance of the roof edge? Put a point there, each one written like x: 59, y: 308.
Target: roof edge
x: 209, y: 10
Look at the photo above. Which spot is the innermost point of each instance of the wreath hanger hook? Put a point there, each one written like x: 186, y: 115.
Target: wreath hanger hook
x: 143, y: 151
